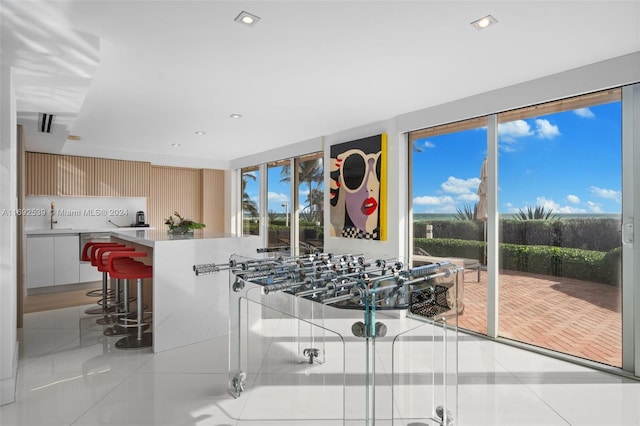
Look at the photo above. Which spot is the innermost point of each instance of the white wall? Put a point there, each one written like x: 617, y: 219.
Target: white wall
x: 8, y: 246
x: 599, y: 76
x: 288, y: 151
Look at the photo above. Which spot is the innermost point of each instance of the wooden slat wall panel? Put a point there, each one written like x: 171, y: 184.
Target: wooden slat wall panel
x: 77, y: 174
x: 51, y: 174
x: 119, y: 178
x: 213, y: 200
x: 42, y: 176
x: 174, y: 189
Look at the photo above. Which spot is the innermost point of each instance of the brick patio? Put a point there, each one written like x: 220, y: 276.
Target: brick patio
x: 575, y: 317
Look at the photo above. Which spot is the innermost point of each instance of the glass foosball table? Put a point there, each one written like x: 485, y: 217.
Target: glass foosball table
x: 341, y: 339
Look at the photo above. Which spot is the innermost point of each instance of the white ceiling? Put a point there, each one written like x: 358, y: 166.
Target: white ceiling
x: 134, y: 77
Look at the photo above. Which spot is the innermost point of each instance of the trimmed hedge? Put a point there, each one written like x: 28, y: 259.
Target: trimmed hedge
x: 588, y: 234
x: 443, y: 247
x: 587, y: 265
x: 459, y: 229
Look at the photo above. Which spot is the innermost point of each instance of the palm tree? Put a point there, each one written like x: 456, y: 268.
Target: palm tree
x: 248, y: 205
x: 468, y: 213
x: 315, y: 205
x: 311, y: 172
x: 540, y: 212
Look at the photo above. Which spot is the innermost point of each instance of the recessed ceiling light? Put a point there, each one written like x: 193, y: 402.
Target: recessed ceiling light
x: 236, y: 116
x: 74, y: 137
x: 200, y: 132
x: 485, y: 22
x: 246, y: 18
x: 176, y: 145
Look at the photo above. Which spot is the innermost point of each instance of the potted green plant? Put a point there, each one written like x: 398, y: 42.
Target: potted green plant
x: 179, y: 225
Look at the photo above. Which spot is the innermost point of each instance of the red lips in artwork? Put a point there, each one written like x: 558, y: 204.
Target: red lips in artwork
x: 369, y: 206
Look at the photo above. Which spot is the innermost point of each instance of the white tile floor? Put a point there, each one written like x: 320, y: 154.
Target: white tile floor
x: 69, y: 378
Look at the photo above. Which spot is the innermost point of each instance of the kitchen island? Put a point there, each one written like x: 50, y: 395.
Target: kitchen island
x: 187, y: 308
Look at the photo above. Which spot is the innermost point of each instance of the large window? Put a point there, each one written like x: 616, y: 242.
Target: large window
x: 446, y: 164
x: 555, y: 259
x: 294, y: 210
x: 279, y: 203
x: 311, y: 203
x: 250, y: 201
x: 560, y: 204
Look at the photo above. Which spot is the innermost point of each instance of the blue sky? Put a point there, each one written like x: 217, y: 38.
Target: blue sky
x: 278, y: 192
x: 569, y: 162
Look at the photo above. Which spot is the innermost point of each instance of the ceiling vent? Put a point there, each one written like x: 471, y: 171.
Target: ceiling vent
x: 45, y: 122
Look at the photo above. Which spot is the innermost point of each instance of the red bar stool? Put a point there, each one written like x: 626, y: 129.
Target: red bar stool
x: 112, y: 298
x: 138, y: 273
x: 102, y: 293
x: 118, y: 307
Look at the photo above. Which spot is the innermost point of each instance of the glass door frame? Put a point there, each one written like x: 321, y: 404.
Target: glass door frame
x: 630, y: 204
x: 630, y: 257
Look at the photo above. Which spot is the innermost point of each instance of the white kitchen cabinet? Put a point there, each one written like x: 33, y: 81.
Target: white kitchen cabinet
x: 39, y: 261
x: 66, y: 259
x: 52, y: 260
x: 89, y: 273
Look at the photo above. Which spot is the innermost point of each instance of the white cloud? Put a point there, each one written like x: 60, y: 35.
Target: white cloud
x: 509, y: 206
x: 420, y: 146
x: 594, y: 207
x: 506, y: 148
x: 574, y: 199
x: 433, y: 201
x: 546, y: 130
x: 468, y: 197
x: 511, y: 130
x: 584, y: 113
x: 549, y: 204
x: 569, y: 209
x: 609, y: 194
x: 460, y: 186
x: 428, y: 144
x: 277, y: 197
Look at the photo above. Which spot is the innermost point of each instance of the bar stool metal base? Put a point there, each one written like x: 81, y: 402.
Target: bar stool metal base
x: 106, y: 320
x: 119, y: 330
x: 95, y: 293
x: 132, y: 342
x: 98, y: 310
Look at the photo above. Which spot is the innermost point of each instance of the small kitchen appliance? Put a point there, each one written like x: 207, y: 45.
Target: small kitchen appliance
x: 140, y: 220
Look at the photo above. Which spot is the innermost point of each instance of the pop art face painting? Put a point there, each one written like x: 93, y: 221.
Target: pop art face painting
x: 356, y: 188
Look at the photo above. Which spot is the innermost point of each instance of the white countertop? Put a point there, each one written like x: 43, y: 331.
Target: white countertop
x: 56, y: 231
x: 148, y: 237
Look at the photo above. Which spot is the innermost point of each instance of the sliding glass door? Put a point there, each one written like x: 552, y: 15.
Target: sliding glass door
x: 290, y: 196
x: 560, y: 205
x: 449, y: 208
x: 560, y: 199
x: 279, y: 202
x: 310, y: 184
x: 250, y: 201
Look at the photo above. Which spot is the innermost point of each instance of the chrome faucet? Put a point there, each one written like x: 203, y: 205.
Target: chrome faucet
x: 51, y: 221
